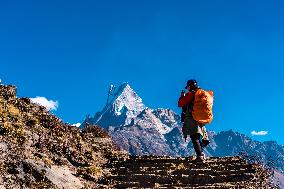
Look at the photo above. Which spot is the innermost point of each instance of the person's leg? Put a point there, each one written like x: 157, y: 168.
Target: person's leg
x: 205, y: 139
x: 185, y: 131
x: 204, y: 132
x: 195, y: 138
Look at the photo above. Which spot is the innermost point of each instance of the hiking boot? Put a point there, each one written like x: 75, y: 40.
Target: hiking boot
x: 201, y: 158
x: 203, y: 155
x: 205, y: 143
x: 189, y: 158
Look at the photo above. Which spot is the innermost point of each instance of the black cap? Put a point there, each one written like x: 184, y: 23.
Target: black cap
x: 191, y: 82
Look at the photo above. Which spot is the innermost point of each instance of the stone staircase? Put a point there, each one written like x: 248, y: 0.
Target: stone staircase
x: 169, y: 172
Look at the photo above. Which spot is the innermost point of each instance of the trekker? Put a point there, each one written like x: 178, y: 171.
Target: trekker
x: 195, y: 128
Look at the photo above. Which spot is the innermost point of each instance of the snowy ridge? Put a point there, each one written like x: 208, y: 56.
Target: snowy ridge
x: 147, y: 119
x: 122, y: 101
x: 124, y: 95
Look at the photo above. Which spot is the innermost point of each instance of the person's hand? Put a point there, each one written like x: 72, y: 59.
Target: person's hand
x: 182, y: 93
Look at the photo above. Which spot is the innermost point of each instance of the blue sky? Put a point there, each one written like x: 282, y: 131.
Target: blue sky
x: 71, y: 51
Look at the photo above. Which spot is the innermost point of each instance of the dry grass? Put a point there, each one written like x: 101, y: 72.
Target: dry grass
x: 92, y: 173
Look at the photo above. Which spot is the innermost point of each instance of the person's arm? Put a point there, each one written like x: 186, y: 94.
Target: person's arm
x: 184, y: 100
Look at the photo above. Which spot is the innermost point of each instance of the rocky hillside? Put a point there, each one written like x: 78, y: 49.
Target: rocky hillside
x: 38, y: 150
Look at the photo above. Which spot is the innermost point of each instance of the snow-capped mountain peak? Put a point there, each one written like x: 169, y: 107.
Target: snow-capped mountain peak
x: 122, y: 97
x: 123, y: 104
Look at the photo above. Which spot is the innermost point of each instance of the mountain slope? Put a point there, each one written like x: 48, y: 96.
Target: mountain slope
x: 231, y: 143
x: 38, y: 150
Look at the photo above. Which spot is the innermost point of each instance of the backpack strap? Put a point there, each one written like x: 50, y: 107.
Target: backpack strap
x: 190, y: 104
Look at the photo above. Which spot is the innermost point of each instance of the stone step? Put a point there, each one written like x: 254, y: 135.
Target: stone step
x: 209, y: 160
x: 183, y: 171
x: 136, y: 185
x: 184, y: 179
x: 178, y: 160
x: 169, y: 172
x: 146, y: 157
x: 188, y: 164
x: 192, y: 167
x: 164, y: 163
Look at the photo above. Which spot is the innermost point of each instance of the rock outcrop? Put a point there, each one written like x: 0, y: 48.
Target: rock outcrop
x: 38, y: 150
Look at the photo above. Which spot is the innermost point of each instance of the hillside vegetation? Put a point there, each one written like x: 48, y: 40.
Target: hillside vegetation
x: 38, y: 150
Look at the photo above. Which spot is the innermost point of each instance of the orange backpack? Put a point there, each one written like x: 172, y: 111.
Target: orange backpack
x: 202, y: 106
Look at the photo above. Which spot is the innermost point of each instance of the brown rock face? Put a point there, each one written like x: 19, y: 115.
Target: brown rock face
x: 38, y: 150
x: 8, y: 92
x: 168, y: 172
